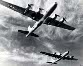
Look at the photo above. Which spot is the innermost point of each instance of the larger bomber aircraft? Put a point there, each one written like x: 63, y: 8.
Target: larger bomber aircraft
x: 37, y: 16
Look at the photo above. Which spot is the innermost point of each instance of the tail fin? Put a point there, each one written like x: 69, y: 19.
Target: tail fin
x: 29, y: 28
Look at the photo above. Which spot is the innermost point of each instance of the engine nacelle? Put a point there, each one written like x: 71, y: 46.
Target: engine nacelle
x: 68, y: 56
x: 72, y: 57
x: 28, y: 8
x: 55, y: 53
x: 60, y: 54
x: 40, y: 10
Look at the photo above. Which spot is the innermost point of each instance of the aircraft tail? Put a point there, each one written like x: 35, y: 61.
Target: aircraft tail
x: 52, y: 63
x: 26, y: 32
x: 29, y: 28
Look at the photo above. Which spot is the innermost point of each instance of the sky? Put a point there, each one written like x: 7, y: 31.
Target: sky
x: 17, y: 50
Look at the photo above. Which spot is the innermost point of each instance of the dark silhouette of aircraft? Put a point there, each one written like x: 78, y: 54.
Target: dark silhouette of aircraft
x: 37, y: 16
x: 63, y: 56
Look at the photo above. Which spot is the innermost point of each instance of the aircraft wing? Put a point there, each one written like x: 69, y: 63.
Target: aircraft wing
x: 52, y: 55
x: 34, y: 16
x: 51, y: 21
x: 49, y: 54
x: 21, y: 10
x: 12, y: 6
x: 69, y: 58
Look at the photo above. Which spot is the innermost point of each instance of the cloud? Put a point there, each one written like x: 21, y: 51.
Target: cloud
x: 50, y: 47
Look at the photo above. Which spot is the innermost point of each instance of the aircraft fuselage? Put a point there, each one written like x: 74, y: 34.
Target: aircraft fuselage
x: 62, y: 56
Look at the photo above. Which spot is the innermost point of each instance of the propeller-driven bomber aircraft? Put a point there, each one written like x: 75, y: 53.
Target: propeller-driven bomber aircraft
x: 37, y: 16
x: 63, y: 56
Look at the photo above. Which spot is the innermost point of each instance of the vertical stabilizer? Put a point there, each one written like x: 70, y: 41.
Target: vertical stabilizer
x: 29, y: 28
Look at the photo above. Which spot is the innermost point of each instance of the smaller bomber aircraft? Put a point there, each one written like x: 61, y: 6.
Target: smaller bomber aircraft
x: 59, y: 56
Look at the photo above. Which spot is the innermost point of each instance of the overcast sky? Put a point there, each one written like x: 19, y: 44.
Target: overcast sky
x: 17, y: 50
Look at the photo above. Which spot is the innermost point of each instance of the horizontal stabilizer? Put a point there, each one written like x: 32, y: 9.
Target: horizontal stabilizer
x: 33, y: 34
x: 52, y: 63
x: 25, y: 32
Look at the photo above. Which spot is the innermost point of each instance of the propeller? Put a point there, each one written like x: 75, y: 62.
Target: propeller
x: 56, y: 16
x: 65, y: 19
x: 41, y: 9
x: 30, y: 5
